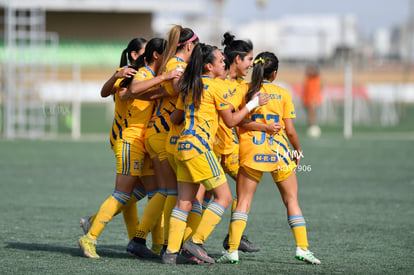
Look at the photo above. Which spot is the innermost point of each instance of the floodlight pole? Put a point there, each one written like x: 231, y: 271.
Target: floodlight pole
x: 348, y: 101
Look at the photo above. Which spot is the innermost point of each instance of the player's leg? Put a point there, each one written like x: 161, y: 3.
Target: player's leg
x: 288, y: 189
x: 247, y: 182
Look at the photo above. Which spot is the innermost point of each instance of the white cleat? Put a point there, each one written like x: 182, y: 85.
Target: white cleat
x: 306, y: 256
x: 85, y: 224
x: 232, y: 257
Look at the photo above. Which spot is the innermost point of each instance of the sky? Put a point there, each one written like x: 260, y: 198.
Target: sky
x: 370, y: 14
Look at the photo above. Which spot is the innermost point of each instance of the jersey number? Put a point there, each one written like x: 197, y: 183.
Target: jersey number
x: 269, y: 117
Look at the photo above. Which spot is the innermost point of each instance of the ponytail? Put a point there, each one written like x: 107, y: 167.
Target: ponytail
x: 171, y: 48
x: 124, y: 58
x: 191, y: 80
x: 177, y: 38
x: 264, y: 65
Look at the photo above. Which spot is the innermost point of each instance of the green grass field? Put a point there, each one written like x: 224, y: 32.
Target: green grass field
x: 358, y: 201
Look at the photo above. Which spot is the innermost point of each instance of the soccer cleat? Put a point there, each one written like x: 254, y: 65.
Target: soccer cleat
x: 157, y: 248
x: 178, y: 258
x: 141, y: 250
x: 306, y: 256
x: 245, y: 245
x: 198, y: 251
x: 184, y: 253
x: 85, y: 224
x: 232, y: 257
x: 88, y: 246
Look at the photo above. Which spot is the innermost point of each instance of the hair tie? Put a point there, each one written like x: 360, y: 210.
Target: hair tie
x: 194, y: 37
x: 260, y: 59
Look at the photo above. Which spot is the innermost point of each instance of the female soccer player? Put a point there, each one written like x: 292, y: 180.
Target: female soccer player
x: 134, y: 49
x: 260, y: 152
x: 160, y: 132
x: 130, y: 54
x: 129, y: 148
x: 239, y: 57
x: 202, y: 102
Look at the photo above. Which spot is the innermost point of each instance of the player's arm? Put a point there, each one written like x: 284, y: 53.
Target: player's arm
x: 108, y: 88
x: 292, y: 136
x: 270, y: 128
x: 139, y: 87
x: 176, y: 117
x: 142, y: 89
x: 148, y: 95
x: 231, y: 119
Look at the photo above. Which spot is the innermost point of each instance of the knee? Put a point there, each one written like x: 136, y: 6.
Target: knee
x: 184, y: 205
x: 226, y: 200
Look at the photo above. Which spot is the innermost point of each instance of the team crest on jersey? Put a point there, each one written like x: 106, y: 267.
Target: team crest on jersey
x: 143, y: 74
x: 136, y: 165
x: 180, y: 67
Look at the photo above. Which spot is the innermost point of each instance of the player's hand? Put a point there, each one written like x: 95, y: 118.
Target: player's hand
x: 263, y: 98
x: 296, y: 159
x: 273, y: 128
x: 176, y: 73
x: 126, y: 73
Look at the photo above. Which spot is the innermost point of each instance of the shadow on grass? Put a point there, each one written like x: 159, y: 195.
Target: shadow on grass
x: 105, y: 251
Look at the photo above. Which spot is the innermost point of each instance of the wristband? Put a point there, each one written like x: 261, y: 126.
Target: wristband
x: 252, y: 104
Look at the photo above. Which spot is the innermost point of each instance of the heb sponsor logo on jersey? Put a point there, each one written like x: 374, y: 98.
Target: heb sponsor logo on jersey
x: 184, y: 146
x: 265, y: 158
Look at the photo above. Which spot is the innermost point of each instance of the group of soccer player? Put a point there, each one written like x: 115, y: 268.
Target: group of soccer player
x: 185, y: 117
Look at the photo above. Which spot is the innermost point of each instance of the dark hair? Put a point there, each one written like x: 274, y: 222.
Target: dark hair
x: 177, y: 38
x: 264, y: 65
x: 226, y: 61
x: 234, y: 48
x: 154, y: 45
x: 191, y: 79
x: 136, y: 45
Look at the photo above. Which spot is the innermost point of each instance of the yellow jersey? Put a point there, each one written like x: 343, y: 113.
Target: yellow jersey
x: 226, y: 138
x: 201, y: 123
x: 160, y: 120
x: 119, y: 114
x: 138, y: 112
x: 175, y: 129
x: 259, y: 150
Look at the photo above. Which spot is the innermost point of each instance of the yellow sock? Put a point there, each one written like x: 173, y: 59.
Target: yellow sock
x: 108, y: 209
x: 130, y: 214
x: 157, y: 232
x: 233, y: 205
x: 237, y: 225
x: 92, y: 219
x: 209, y: 220
x: 178, y: 222
x: 193, y: 220
x: 151, y: 214
x: 169, y: 205
x: 298, y: 225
